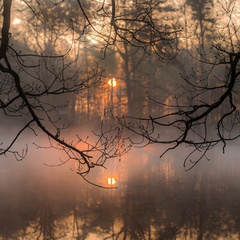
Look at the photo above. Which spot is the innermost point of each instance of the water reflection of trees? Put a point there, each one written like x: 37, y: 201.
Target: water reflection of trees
x: 162, y: 202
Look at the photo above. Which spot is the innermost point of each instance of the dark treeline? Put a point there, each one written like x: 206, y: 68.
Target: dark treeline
x: 136, y: 72
x: 147, y: 73
x: 124, y: 68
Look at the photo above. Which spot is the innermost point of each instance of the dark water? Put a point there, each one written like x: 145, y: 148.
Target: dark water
x: 155, y: 199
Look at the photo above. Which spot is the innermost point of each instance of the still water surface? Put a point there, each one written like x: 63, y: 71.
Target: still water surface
x: 155, y: 199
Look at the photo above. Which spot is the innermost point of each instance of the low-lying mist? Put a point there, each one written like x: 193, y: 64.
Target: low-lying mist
x: 36, y: 191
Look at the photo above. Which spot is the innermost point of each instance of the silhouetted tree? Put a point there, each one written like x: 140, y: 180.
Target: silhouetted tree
x: 34, y: 82
x: 188, y: 119
x: 37, y: 77
x: 39, y: 74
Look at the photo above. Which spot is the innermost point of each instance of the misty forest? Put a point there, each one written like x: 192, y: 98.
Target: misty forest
x: 119, y: 119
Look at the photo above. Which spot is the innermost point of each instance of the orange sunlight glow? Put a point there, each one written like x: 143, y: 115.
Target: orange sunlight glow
x: 112, y: 82
x: 111, y: 181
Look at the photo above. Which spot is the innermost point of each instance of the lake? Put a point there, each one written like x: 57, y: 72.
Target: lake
x: 153, y: 199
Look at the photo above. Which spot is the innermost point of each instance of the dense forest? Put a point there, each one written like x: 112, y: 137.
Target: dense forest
x: 104, y: 88
x: 133, y: 69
